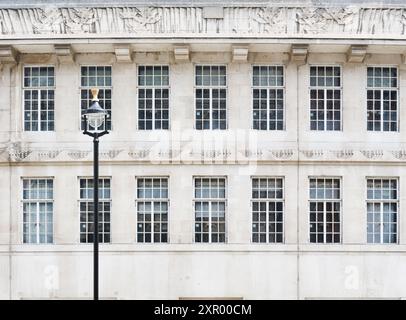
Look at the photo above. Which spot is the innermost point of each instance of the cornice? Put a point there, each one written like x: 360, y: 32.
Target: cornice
x: 228, y: 20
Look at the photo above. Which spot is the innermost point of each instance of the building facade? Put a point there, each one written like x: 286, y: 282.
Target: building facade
x: 256, y: 150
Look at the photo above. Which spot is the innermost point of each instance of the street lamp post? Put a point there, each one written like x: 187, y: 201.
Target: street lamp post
x: 95, y: 116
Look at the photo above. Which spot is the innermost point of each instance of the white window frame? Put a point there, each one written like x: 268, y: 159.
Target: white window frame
x: 110, y: 118
x: 210, y: 200
x: 38, y: 89
x: 195, y: 87
x: 382, y: 89
x: 153, y: 88
x: 91, y: 200
x: 381, y: 202
x: 325, y: 88
x: 268, y: 88
x: 340, y: 200
x: 37, y: 201
x: 152, y: 200
x: 267, y: 201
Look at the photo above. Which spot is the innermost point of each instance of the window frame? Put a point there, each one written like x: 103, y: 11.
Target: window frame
x: 22, y: 201
x: 168, y: 200
x: 381, y: 89
x: 195, y: 87
x: 153, y: 87
x: 283, y: 88
x: 381, y: 201
x: 38, y: 88
x: 91, y: 200
x: 340, y: 200
x: 98, y: 87
x: 324, y: 88
x: 225, y: 200
x: 267, y: 200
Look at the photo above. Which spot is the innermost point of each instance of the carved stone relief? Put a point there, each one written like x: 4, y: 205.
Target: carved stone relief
x: 252, y: 153
x: 81, y: 20
x: 48, y: 20
x: 312, y: 154
x: 48, y: 155
x: 401, y: 155
x: 78, y: 154
x: 272, y: 18
x: 17, y: 152
x: 109, y: 154
x: 138, y: 20
x: 139, y: 154
x: 342, y: 154
x: 282, y: 154
x: 278, y: 20
x: 372, y: 154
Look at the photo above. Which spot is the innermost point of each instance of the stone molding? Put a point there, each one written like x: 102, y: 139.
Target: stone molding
x: 271, y: 20
x: 17, y: 153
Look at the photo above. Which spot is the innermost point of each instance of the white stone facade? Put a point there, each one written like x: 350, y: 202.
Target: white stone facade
x: 354, y: 36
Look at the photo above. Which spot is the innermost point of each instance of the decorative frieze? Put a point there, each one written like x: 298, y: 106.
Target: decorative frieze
x: 17, y: 152
x: 109, y: 154
x: 312, y: 154
x: 342, y: 154
x: 78, y: 154
x: 282, y: 154
x: 140, y: 19
x: 257, y: 154
x: 177, y: 21
x: 319, y: 20
x: 272, y: 19
x: 139, y: 154
x: 372, y: 154
x: 401, y: 154
x: 44, y: 155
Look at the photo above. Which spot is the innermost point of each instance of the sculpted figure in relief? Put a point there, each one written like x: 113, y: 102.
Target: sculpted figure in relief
x: 316, y: 20
x: 138, y: 20
x: 81, y: 20
x: 273, y: 19
x: 49, y: 20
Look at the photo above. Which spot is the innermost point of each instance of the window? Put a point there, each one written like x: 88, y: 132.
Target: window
x: 153, y: 97
x: 325, y: 208
x: 38, y: 210
x: 87, y: 210
x: 39, y: 98
x: 268, y: 94
x: 325, y: 98
x: 100, y: 77
x: 382, y: 210
x: 211, y: 96
x: 152, y: 209
x: 267, y: 210
x: 210, y: 209
x: 382, y: 99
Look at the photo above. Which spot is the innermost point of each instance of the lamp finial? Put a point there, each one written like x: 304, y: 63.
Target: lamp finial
x: 95, y: 93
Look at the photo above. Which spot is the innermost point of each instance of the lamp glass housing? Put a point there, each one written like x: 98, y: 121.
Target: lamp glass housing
x: 95, y: 120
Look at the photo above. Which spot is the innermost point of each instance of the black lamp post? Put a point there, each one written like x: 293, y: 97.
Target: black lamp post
x: 95, y: 116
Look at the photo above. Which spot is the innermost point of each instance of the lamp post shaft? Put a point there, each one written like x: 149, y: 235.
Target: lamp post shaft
x: 96, y: 218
